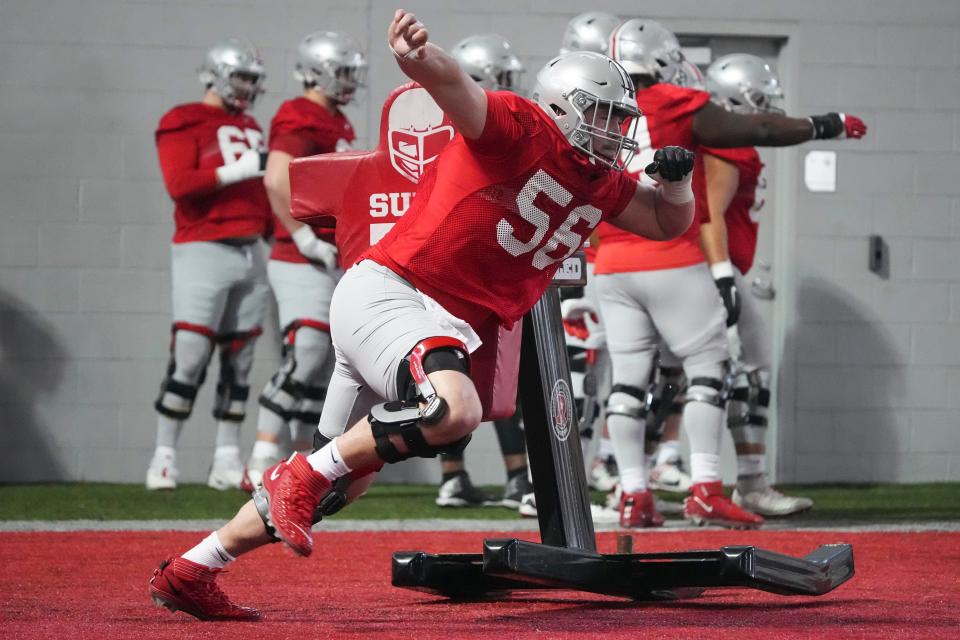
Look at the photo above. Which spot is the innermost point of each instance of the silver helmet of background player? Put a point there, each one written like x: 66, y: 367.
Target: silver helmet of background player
x: 589, y: 32
x: 744, y: 83
x: 489, y: 59
x: 333, y: 62
x: 646, y: 47
x: 592, y: 100
x: 234, y: 69
x: 690, y: 76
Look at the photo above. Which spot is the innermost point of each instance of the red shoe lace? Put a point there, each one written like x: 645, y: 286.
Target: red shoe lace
x: 301, y: 503
x: 208, y: 594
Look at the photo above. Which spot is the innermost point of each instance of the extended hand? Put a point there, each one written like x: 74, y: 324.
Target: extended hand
x: 406, y: 36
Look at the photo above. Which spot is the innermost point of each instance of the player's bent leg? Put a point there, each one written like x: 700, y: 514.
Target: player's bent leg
x: 441, y: 411
x: 190, y: 349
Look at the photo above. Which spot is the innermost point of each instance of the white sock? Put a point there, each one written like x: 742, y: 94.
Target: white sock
x: 633, y: 480
x: 165, y: 453
x: 704, y: 425
x: 704, y: 467
x: 265, y: 449
x: 669, y: 452
x: 228, y: 434
x: 228, y: 452
x: 328, y: 462
x: 210, y: 553
x: 751, y: 464
x: 627, y: 435
x: 168, y: 431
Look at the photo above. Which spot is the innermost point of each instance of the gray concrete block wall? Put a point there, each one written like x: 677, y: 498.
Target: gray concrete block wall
x: 871, y: 366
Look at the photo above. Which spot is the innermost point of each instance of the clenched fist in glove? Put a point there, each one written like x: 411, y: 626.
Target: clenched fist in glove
x: 672, y: 168
x: 837, y: 125
x: 314, y: 249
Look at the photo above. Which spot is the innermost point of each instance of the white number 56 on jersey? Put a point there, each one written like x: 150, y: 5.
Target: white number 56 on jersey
x: 541, y: 182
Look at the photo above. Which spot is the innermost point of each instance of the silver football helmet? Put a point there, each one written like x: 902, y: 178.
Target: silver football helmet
x: 592, y: 100
x: 489, y: 60
x: 234, y: 69
x: 589, y: 32
x: 690, y: 76
x: 333, y: 62
x: 744, y: 83
x: 646, y: 47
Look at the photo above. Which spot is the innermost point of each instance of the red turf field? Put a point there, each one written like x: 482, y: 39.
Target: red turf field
x: 94, y: 585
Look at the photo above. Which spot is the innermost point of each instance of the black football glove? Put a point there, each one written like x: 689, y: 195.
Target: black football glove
x: 671, y: 164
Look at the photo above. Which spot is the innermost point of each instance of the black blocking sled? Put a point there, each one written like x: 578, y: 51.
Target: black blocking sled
x: 567, y: 558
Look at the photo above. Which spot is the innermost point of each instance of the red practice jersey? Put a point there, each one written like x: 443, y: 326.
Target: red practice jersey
x: 741, y: 215
x: 667, y: 120
x: 493, y: 218
x: 303, y: 128
x: 192, y: 141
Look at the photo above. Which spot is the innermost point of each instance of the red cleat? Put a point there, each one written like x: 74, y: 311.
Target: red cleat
x: 293, y: 491
x: 707, y: 504
x: 182, y: 585
x: 639, y: 511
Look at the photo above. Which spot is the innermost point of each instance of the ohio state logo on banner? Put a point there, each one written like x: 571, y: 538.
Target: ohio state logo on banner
x: 561, y: 409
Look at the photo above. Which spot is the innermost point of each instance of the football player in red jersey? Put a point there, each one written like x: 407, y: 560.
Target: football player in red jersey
x: 210, y: 156
x: 519, y: 189
x: 303, y: 267
x: 743, y: 83
x: 490, y: 61
x: 664, y: 291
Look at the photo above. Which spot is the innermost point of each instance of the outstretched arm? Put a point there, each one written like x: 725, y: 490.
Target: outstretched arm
x: 462, y: 99
x: 714, y: 126
x: 666, y: 211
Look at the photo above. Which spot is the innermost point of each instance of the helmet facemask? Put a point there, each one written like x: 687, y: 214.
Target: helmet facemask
x: 340, y: 83
x: 240, y: 89
x: 605, y: 129
x: 758, y: 101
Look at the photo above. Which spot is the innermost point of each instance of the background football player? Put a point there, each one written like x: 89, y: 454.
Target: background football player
x: 586, y: 344
x: 303, y: 267
x: 666, y: 291
x: 210, y: 156
x: 489, y: 60
x: 518, y: 190
x: 743, y: 83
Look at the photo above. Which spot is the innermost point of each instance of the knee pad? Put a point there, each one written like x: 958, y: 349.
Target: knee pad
x: 303, y: 357
x: 749, y: 400
x: 406, y: 417
x: 633, y: 402
x: 190, y: 349
x: 236, y: 360
x: 706, y: 387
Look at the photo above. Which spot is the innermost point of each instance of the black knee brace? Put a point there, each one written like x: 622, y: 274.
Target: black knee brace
x: 186, y: 391
x: 231, y: 399
x: 747, y: 402
x: 405, y: 417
